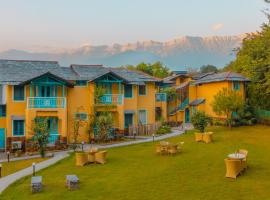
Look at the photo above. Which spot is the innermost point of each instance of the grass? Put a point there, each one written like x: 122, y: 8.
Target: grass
x: 13, y: 166
x: 136, y: 172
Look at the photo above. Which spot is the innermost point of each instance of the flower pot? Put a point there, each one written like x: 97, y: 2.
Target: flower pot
x: 81, y: 159
x: 208, y: 137
x: 198, y: 137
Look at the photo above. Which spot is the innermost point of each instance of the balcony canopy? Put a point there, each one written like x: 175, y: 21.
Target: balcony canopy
x: 48, y: 79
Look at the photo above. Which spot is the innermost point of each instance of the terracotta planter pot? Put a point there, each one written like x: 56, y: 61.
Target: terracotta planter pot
x: 198, y: 137
x: 208, y: 137
x: 81, y: 159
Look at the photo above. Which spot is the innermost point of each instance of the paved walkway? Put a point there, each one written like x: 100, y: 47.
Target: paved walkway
x: 175, y: 132
x: 7, y: 180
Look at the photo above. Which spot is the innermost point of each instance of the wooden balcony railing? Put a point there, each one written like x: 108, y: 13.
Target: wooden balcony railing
x: 46, y: 102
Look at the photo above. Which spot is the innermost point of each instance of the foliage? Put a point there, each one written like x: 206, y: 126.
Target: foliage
x: 208, y: 68
x: 170, y: 93
x: 41, y: 134
x: 156, y: 69
x: 200, y: 120
x: 99, y: 92
x: 103, y: 123
x: 227, y: 102
x: 163, y: 130
x: 78, y: 123
x: 245, y: 116
x: 253, y: 61
x: 91, y: 124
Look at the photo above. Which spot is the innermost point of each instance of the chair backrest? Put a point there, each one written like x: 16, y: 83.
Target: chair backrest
x: 243, y: 151
x: 164, y: 143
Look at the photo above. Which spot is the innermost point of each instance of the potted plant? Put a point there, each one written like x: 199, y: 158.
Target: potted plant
x: 200, y: 120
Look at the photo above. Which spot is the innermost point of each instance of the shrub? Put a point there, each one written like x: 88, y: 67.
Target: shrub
x: 163, y: 130
x: 200, y: 120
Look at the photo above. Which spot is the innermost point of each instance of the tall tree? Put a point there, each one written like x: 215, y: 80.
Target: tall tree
x: 156, y: 69
x: 253, y: 60
x: 208, y: 68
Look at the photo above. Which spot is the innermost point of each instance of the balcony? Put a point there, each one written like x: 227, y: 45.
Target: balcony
x: 161, y: 97
x: 111, y: 99
x: 46, y: 102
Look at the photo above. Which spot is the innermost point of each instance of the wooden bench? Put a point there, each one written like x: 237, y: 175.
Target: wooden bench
x: 36, y: 184
x: 72, y: 182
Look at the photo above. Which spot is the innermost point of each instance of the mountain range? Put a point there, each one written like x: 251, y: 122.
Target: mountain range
x: 177, y: 54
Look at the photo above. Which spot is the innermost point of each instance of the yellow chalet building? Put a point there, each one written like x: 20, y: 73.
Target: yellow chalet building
x: 197, y: 92
x: 30, y: 89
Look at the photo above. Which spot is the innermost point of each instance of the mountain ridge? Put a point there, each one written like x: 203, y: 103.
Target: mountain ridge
x: 178, y: 53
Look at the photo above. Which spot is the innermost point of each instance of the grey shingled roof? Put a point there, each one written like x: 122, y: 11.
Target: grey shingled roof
x: 224, y: 76
x: 197, y: 102
x: 14, y: 72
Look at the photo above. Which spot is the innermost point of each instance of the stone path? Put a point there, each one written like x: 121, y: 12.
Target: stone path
x: 7, y: 180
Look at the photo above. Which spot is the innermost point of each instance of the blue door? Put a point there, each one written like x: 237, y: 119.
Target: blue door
x: 2, y: 138
x: 187, y: 115
x: 53, y: 126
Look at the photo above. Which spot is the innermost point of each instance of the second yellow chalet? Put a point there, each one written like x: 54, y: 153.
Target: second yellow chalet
x: 30, y: 89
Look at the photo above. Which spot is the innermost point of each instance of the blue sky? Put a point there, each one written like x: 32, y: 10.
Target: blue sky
x: 37, y: 24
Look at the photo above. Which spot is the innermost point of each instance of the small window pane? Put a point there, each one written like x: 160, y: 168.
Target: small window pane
x: 2, y: 110
x: 18, y: 93
x: 236, y: 85
x: 142, y: 90
x: 81, y: 83
x: 81, y: 116
x: 128, y: 91
x: 18, y: 127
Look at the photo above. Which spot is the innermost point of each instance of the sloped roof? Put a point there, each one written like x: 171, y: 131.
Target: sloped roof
x: 185, y: 84
x: 15, y: 72
x: 197, y: 102
x: 224, y: 76
x: 201, y: 75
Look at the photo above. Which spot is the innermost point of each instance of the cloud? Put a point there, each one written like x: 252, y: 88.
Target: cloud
x: 217, y: 27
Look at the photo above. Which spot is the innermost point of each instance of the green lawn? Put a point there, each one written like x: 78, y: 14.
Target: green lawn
x: 11, y: 167
x: 136, y: 172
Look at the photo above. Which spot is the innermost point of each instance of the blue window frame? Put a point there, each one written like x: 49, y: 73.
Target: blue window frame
x: 18, y: 127
x: 82, y: 116
x: 142, y: 90
x: 128, y: 91
x: 18, y: 93
x: 81, y: 83
x: 236, y: 85
x: 2, y: 110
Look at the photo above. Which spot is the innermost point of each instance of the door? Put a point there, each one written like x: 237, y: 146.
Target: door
x: 187, y: 115
x: 2, y: 138
x: 128, y: 119
x: 53, y: 126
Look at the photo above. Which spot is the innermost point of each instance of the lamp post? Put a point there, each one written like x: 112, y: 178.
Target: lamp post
x: 34, y: 168
x: 82, y: 145
x: 0, y: 170
x: 8, y: 154
x: 153, y: 135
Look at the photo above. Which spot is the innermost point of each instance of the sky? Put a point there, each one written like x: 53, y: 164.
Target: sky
x: 38, y: 25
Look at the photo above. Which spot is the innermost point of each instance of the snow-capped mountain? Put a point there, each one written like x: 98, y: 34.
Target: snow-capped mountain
x: 178, y: 53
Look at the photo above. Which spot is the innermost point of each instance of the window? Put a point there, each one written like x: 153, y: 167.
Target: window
x: 128, y: 91
x: 142, y: 90
x: 18, y: 93
x: 82, y: 116
x: 142, y: 117
x: 18, y: 127
x: 81, y: 83
x: 2, y: 110
x: 236, y: 85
